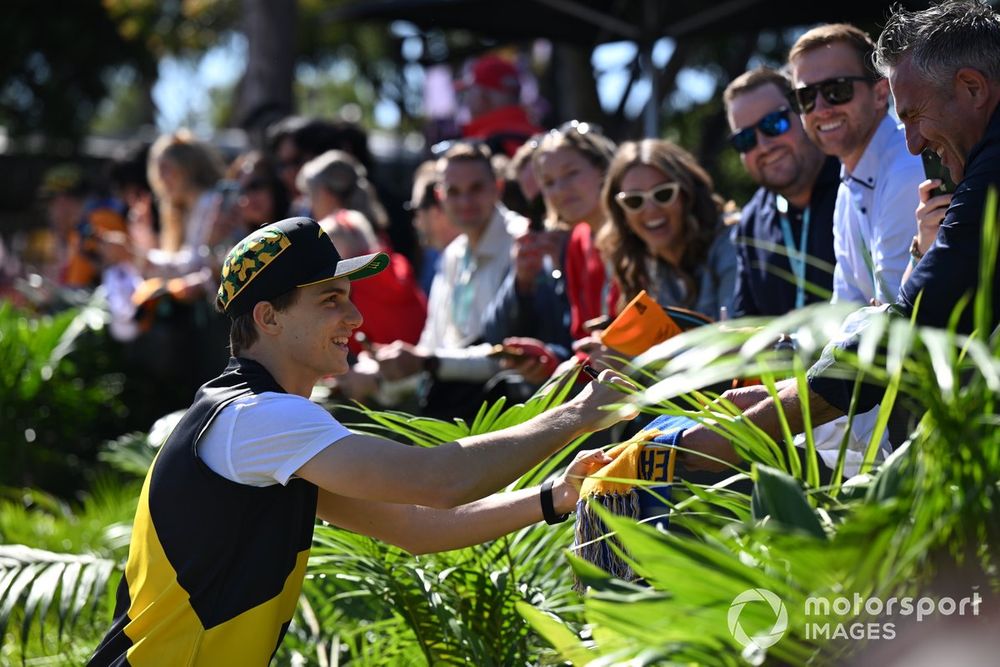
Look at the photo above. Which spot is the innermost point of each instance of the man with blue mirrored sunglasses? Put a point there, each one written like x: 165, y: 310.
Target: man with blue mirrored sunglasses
x: 788, y: 223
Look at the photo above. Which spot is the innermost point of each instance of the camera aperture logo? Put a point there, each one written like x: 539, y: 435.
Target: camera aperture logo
x: 760, y: 640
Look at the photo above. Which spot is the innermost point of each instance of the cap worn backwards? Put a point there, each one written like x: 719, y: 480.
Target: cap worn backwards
x: 282, y: 256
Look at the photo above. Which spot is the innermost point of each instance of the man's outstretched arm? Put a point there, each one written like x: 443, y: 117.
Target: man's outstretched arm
x: 372, y: 468
x: 420, y: 529
x: 764, y: 414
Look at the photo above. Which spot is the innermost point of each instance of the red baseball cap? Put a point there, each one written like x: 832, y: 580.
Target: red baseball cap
x: 491, y: 72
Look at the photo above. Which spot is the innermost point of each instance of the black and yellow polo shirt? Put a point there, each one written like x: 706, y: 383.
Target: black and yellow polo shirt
x: 215, y: 567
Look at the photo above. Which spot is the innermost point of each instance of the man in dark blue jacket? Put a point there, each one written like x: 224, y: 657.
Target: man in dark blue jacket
x: 944, y: 74
x: 785, y: 235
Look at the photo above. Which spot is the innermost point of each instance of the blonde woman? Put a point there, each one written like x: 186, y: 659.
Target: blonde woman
x: 183, y: 173
x: 570, y: 165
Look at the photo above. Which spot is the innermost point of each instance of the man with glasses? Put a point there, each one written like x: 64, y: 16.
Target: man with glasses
x: 844, y: 108
x: 785, y: 234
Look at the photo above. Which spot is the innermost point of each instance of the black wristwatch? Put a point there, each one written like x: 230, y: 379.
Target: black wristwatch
x: 548, y: 506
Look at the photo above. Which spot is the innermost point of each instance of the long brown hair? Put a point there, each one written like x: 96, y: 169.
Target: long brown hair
x: 624, y: 250
x: 202, y: 168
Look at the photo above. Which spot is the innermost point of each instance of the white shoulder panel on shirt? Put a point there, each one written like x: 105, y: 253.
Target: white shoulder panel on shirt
x: 263, y: 439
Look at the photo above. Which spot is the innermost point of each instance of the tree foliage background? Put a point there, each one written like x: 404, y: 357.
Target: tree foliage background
x: 55, y: 65
x: 89, y: 66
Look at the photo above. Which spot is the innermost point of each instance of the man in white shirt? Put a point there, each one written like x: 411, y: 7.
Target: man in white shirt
x: 224, y: 522
x: 844, y: 108
x: 472, y: 269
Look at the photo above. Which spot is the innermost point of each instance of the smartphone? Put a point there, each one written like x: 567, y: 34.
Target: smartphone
x: 506, y: 351
x: 934, y: 169
x: 229, y: 191
x: 599, y: 323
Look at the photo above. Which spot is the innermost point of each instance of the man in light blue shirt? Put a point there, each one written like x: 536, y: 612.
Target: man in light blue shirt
x: 844, y: 108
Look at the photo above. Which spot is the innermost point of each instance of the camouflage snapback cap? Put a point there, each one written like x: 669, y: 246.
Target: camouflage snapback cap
x: 284, y: 255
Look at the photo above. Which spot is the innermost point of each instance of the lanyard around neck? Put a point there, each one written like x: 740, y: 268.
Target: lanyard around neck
x: 796, y: 254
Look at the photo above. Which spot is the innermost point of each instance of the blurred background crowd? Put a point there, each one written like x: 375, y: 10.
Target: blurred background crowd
x: 442, y: 133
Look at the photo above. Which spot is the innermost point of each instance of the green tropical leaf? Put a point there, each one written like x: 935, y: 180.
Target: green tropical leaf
x: 554, y: 631
x: 31, y: 579
x: 989, y: 250
x: 892, y: 475
x: 778, y: 497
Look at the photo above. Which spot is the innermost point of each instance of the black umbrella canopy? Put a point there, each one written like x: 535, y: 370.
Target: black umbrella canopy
x: 598, y: 21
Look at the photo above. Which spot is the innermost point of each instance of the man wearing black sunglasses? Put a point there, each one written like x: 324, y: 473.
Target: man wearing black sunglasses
x: 785, y: 234
x: 844, y: 108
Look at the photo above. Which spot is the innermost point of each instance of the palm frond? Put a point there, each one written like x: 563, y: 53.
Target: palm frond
x: 31, y: 580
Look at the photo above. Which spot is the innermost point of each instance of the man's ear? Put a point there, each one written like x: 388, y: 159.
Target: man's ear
x: 265, y: 317
x: 971, y: 84
x: 881, y: 88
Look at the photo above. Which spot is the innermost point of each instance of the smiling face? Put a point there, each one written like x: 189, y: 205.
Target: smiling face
x: 935, y: 119
x: 314, y: 330
x: 661, y: 227
x: 785, y: 164
x: 842, y: 130
x: 571, y: 184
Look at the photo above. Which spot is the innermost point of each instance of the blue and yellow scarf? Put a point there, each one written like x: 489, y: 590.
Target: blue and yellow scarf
x: 648, y: 457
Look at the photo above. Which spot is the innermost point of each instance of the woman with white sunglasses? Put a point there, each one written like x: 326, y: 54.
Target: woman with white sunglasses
x: 666, y: 234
